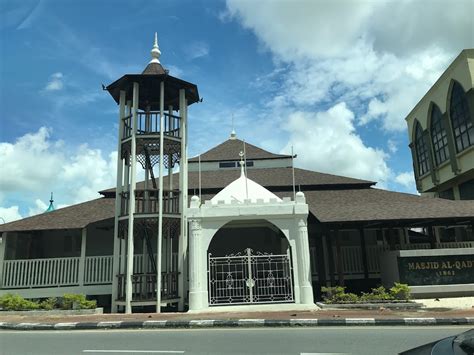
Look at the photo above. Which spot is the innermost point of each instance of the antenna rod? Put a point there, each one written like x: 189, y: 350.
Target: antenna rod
x: 293, y: 173
x: 199, y: 165
x: 245, y: 171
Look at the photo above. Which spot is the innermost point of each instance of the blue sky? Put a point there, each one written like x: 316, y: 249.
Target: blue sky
x: 334, y: 79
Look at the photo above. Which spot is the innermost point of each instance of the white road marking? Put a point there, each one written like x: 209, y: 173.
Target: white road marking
x: 325, y: 353
x: 135, y: 351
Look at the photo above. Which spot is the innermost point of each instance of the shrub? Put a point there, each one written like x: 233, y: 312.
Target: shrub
x: 377, y: 294
x: 400, y: 291
x: 11, y: 302
x: 72, y: 301
x: 337, y: 294
x: 48, y: 304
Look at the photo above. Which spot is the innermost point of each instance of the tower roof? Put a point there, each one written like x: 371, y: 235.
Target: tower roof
x: 149, y: 81
x: 229, y: 150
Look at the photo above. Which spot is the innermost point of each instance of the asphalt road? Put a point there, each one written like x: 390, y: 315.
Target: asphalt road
x: 319, y: 340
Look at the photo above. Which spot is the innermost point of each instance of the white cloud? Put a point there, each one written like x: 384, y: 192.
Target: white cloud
x: 197, y: 49
x: 9, y: 214
x: 55, y: 82
x: 406, y: 179
x: 379, y: 63
x: 35, y: 165
x: 327, y: 142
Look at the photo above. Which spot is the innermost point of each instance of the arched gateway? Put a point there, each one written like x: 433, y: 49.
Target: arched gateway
x: 248, y: 246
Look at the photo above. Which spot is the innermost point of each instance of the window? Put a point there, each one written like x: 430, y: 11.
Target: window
x: 466, y: 190
x: 421, y: 151
x: 447, y: 194
x: 462, y: 125
x: 227, y: 164
x: 439, y: 136
x: 233, y: 164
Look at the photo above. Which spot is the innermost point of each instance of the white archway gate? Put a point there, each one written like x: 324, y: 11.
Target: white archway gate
x: 250, y: 277
x: 206, y: 219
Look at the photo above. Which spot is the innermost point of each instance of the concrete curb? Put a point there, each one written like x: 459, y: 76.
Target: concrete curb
x: 243, y: 323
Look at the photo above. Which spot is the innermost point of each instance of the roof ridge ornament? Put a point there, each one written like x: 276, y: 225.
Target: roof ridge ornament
x: 242, y: 171
x: 51, y: 206
x: 155, y: 51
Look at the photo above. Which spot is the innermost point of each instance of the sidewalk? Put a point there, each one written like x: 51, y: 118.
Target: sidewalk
x: 427, y: 316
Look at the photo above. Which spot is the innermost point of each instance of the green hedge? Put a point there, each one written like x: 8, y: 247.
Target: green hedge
x: 337, y: 294
x: 13, y: 302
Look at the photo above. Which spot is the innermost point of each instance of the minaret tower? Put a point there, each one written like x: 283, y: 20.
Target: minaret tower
x: 150, y: 234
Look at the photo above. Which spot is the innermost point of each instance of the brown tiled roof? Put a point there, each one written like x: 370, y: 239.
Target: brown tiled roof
x: 154, y: 69
x: 75, y: 216
x: 381, y: 205
x: 230, y: 149
x: 269, y: 177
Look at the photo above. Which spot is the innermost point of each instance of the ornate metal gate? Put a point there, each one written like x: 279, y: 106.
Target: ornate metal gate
x: 250, y: 278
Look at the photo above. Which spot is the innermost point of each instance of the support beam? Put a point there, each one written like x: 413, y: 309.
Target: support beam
x: 82, y: 261
x: 330, y: 257
x: 131, y: 204
x: 183, y: 201
x: 118, y: 204
x: 364, y: 253
x: 3, y: 250
x: 320, y: 262
x: 432, y: 237
x: 160, y: 200
x: 339, y: 265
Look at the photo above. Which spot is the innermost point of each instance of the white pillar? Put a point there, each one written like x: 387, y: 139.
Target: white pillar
x: 198, y: 293
x: 118, y: 204
x: 160, y: 200
x: 304, y: 268
x: 131, y: 205
x: 183, y: 201
x: 82, y: 260
x: 3, y: 249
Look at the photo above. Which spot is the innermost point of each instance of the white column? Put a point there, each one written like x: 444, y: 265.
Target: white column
x: 304, y: 268
x: 118, y: 204
x: 82, y: 260
x: 3, y: 249
x: 131, y: 204
x: 183, y: 201
x: 160, y: 201
x: 198, y: 293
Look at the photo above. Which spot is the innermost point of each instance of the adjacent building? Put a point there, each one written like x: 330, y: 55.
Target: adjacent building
x: 441, y: 133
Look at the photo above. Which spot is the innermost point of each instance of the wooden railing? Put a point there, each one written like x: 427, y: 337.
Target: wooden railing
x: 40, y: 272
x: 144, y: 286
x: 57, y: 272
x: 352, y: 256
x: 147, y: 202
x: 148, y: 123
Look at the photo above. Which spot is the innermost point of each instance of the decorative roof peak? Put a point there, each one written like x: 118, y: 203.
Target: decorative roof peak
x: 51, y: 206
x: 155, y: 51
x: 242, y: 170
x: 233, y: 135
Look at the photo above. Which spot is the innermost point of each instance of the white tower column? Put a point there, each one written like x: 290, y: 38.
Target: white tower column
x: 183, y: 201
x: 118, y: 203
x: 131, y: 205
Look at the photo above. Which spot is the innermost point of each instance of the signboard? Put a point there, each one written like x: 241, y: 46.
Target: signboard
x: 436, y: 270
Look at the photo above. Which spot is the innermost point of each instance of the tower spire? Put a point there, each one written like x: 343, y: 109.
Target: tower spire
x: 155, y: 51
x: 51, y: 206
x: 233, y: 135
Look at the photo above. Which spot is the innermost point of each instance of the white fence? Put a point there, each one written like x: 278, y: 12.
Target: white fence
x: 54, y: 272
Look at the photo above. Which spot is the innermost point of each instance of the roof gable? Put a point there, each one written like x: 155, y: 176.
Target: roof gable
x: 230, y: 149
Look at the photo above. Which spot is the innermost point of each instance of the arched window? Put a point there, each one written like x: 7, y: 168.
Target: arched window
x: 421, y: 150
x: 463, y: 130
x: 438, y: 136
